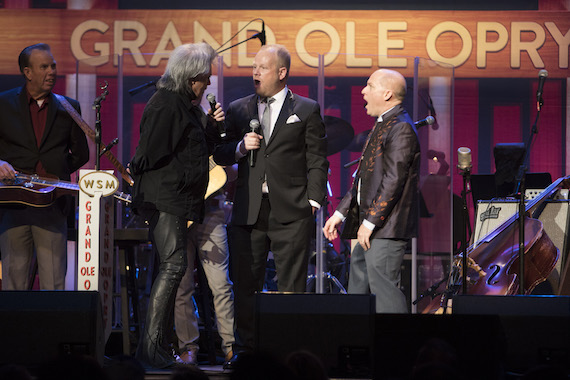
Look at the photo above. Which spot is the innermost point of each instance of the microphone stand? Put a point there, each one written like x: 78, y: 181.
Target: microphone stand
x: 256, y: 35
x: 97, y: 108
x: 465, y: 172
x: 136, y: 90
x: 520, y: 190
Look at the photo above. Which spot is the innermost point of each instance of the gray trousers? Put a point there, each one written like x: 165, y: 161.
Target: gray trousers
x: 377, y: 271
x: 33, y: 229
x: 210, y: 241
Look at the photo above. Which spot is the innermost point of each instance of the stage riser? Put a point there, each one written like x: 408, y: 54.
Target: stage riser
x: 485, y: 344
x: 337, y: 328
x: 37, y: 326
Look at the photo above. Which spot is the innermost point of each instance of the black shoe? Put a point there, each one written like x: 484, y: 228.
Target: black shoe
x: 231, y: 362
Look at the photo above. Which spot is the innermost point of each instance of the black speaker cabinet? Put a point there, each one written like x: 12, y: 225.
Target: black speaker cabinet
x: 472, y: 346
x: 537, y: 328
x: 337, y: 328
x: 38, y: 326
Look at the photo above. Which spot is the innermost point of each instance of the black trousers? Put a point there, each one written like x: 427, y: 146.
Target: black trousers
x: 249, y: 248
x: 168, y: 237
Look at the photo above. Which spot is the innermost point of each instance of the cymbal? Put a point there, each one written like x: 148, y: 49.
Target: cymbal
x: 357, y: 143
x: 339, y: 134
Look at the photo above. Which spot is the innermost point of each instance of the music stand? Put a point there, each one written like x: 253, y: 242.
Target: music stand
x: 508, y: 159
x: 484, y: 186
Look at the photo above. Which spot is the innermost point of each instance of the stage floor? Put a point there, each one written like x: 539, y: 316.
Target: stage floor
x: 215, y: 372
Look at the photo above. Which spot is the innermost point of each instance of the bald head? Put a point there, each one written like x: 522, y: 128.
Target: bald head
x: 271, y: 69
x: 384, y: 90
x: 394, y: 81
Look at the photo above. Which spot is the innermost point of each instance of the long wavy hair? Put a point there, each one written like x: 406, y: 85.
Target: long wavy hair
x: 188, y: 61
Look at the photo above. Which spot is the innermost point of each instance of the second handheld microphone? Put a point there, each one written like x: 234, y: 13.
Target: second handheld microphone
x: 221, y: 125
x: 254, y: 125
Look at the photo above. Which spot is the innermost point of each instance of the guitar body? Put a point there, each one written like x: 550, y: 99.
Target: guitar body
x: 217, y: 180
x: 25, y: 193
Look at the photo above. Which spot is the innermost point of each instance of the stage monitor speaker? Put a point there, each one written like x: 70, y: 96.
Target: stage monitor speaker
x: 471, y: 346
x: 38, y: 326
x: 555, y: 218
x: 537, y: 328
x: 337, y: 328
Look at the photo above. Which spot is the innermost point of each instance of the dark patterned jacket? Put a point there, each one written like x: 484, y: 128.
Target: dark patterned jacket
x: 388, y: 177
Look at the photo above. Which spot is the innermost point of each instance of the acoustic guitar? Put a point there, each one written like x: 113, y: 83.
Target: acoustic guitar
x: 218, y: 178
x: 36, y: 191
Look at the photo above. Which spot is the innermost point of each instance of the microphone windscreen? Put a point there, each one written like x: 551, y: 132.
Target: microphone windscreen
x: 464, y: 158
x: 254, y: 124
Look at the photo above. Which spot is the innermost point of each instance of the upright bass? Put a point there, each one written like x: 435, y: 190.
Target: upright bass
x: 493, y: 261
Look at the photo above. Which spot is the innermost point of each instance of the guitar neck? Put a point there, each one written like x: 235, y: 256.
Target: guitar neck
x: 37, y: 180
x: 90, y: 132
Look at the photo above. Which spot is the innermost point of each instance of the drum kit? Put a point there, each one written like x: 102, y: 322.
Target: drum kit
x: 340, y: 136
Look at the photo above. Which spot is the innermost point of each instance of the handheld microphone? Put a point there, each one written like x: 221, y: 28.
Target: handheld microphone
x: 427, y: 121
x: 542, y: 74
x: 254, y: 125
x: 464, y: 159
x: 221, y: 125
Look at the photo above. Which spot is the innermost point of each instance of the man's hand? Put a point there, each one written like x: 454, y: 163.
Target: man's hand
x: 6, y: 171
x: 218, y: 114
x: 252, y: 141
x: 363, y: 236
x: 331, y: 227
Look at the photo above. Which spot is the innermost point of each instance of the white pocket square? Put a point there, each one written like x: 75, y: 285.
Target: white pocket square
x: 293, y: 119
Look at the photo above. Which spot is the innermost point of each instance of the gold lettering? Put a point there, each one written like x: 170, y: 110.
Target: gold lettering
x: 531, y: 47
x: 484, y: 46
x: 317, y: 26
x: 169, y: 36
x: 562, y: 41
x: 99, y: 47
x: 384, y: 43
x: 133, y: 46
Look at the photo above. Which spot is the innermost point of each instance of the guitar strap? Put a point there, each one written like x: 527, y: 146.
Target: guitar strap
x: 91, y: 134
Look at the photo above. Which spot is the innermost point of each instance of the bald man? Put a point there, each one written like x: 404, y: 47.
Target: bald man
x: 277, y: 192
x: 381, y: 207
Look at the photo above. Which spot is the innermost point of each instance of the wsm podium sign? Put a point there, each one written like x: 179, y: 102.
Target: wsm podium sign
x: 95, y: 237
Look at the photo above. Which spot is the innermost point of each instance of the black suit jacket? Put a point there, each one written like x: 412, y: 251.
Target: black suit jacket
x: 63, y: 148
x: 294, y: 160
x: 389, y: 180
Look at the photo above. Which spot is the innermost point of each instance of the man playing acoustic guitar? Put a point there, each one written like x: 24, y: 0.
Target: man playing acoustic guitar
x: 37, y: 136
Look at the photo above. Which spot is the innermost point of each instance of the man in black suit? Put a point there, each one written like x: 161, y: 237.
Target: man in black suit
x: 382, y: 206
x: 278, y: 188
x: 37, y: 135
